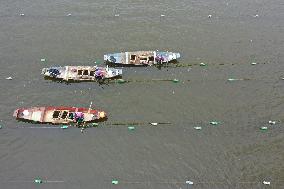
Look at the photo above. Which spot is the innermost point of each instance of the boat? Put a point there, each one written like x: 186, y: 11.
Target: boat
x: 81, y: 73
x: 59, y: 114
x: 140, y: 58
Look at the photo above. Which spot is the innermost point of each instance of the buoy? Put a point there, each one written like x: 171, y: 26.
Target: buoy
x: 95, y: 124
x: 120, y: 80
x: 38, y: 181
x: 232, y: 79
x: 266, y: 182
x: 189, y: 182
x: 115, y: 182
x: 131, y: 128
x: 197, y: 128
x: 175, y: 80
x: 272, y: 122
x: 263, y: 128
x: 214, y: 122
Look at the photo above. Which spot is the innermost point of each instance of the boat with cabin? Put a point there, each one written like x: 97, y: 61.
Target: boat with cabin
x: 59, y: 114
x: 141, y: 58
x: 81, y: 73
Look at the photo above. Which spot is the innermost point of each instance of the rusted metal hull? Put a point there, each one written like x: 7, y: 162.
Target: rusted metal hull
x: 81, y: 73
x: 141, y: 57
x: 58, y: 115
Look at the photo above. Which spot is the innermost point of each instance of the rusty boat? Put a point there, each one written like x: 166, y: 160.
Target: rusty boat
x: 59, y: 114
x: 81, y: 73
x: 141, y: 58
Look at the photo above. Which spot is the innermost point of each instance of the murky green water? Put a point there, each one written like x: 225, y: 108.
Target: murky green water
x: 234, y: 154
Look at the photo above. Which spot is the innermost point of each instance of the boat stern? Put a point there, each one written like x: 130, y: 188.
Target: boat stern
x: 22, y: 113
x: 99, y: 115
x: 173, y: 56
x: 112, y: 72
x: 15, y: 114
x: 114, y: 58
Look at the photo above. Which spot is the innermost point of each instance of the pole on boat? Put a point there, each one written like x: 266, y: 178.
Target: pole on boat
x: 90, y: 107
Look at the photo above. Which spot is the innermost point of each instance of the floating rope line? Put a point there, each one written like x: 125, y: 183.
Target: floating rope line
x: 143, y: 80
x: 188, y: 182
x: 37, y: 181
x: 177, y: 65
x: 87, y: 125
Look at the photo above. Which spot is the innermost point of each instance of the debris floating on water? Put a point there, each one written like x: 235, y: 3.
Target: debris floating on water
x: 42, y: 60
x: 266, y: 182
x: 115, y: 182
x: 22, y: 14
x: 256, y: 16
x: 69, y: 14
x: 9, y: 78
x: 116, y: 15
x: 197, y: 128
x: 82, y: 129
x: 162, y: 15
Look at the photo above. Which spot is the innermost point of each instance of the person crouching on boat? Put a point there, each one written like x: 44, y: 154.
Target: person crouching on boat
x: 99, y: 74
x: 79, y: 118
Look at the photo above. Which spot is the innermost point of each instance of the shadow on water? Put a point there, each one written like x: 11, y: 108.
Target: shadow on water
x: 99, y: 81
x: 158, y: 65
x: 57, y: 124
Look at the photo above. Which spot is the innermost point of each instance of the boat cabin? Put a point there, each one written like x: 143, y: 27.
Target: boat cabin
x: 141, y: 59
x: 85, y: 73
x: 62, y: 115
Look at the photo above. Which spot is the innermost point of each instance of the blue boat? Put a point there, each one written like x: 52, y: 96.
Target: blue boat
x: 141, y: 58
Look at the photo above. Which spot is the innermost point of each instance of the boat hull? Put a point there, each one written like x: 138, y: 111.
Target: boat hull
x: 81, y: 73
x: 137, y: 58
x: 58, y: 115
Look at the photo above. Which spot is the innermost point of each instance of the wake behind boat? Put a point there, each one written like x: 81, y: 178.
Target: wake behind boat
x: 81, y: 73
x: 58, y: 115
x: 141, y: 58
